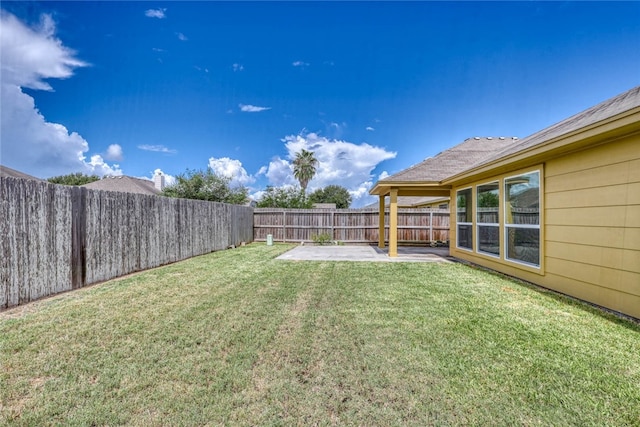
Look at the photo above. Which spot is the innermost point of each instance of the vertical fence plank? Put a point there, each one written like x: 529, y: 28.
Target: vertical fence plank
x: 415, y: 226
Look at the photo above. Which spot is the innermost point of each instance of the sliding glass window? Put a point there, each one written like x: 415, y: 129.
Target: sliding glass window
x: 522, y: 218
x: 488, y: 218
x: 464, y: 219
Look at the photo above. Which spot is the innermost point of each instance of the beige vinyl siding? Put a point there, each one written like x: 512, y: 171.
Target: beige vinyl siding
x: 617, y: 259
x: 628, y: 238
x: 590, y: 233
x: 626, y: 216
x: 596, y: 294
x: 592, y: 221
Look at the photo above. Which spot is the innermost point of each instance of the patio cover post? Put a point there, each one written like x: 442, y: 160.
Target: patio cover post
x: 381, y: 222
x: 393, y: 223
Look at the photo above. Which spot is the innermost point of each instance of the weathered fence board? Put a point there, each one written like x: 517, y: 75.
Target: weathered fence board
x: 56, y: 238
x: 349, y: 225
x: 36, y: 240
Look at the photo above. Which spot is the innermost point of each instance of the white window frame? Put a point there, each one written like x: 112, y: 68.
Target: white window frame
x: 507, y: 226
x: 487, y: 224
x: 470, y: 224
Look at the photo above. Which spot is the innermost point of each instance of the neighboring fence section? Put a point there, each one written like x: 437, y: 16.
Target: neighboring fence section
x: 55, y: 238
x: 349, y: 225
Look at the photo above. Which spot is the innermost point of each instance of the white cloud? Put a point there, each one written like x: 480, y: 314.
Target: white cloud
x: 232, y: 169
x: 369, y: 128
x: 339, y: 163
x: 182, y: 37
x: 98, y: 166
x: 300, y: 64
x: 252, y: 108
x: 29, y: 56
x: 361, y: 193
x: 114, y: 152
x: 383, y: 175
x: 237, y: 67
x: 336, y: 130
x: 279, y: 173
x: 156, y: 13
x: 157, y: 148
x: 257, y: 195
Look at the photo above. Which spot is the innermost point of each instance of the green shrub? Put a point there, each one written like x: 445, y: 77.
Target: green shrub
x: 322, y: 239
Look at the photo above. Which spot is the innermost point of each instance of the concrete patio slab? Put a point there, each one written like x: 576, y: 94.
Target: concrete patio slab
x: 366, y: 253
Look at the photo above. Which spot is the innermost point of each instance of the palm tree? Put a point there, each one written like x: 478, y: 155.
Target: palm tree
x: 304, y: 167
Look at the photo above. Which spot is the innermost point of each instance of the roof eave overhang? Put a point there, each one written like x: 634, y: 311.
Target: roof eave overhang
x: 621, y: 125
x: 409, y: 188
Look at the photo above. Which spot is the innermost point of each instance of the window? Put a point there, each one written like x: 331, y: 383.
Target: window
x: 464, y: 219
x: 522, y: 218
x: 488, y: 218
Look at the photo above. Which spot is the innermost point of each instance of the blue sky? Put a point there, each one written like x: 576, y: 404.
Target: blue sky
x: 371, y: 87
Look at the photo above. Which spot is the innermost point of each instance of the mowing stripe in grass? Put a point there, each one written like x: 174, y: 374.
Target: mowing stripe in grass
x: 237, y: 337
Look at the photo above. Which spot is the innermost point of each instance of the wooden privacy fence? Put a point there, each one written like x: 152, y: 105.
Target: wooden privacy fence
x: 349, y: 225
x: 514, y: 215
x: 55, y: 238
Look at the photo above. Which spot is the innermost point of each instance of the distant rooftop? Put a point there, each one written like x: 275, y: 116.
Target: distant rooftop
x: 125, y: 184
x: 12, y: 173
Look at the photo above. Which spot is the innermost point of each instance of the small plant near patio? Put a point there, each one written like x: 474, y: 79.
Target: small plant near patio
x: 322, y: 239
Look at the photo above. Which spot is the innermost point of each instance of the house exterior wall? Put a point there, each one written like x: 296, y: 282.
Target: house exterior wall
x: 590, y: 226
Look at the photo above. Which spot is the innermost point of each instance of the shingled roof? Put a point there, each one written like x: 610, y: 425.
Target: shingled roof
x: 478, y: 152
x: 125, y: 184
x: 612, y: 107
x: 12, y: 173
x: 452, y: 161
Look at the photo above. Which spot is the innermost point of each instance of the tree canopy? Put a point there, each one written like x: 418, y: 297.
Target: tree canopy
x: 206, y: 185
x: 488, y: 200
x: 284, y: 197
x: 304, y: 167
x: 332, y: 194
x: 74, y: 179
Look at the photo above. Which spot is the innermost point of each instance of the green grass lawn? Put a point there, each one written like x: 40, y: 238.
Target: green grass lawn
x: 238, y: 338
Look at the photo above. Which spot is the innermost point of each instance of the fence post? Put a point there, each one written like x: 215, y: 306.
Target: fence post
x: 430, y: 226
x: 333, y: 236
x: 78, y: 237
x: 284, y: 226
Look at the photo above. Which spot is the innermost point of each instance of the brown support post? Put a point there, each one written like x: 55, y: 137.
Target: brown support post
x: 393, y: 223
x: 381, y: 222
